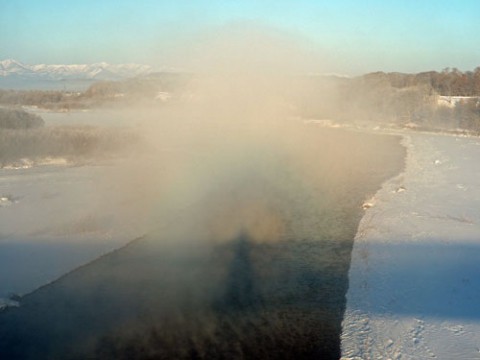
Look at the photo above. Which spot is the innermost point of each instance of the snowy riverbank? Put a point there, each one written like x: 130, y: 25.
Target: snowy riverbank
x: 54, y: 218
x: 415, y: 273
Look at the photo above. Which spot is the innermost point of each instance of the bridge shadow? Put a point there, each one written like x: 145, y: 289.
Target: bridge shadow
x: 437, y: 278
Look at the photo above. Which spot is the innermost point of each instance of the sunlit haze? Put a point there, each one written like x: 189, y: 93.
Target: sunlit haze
x: 352, y: 37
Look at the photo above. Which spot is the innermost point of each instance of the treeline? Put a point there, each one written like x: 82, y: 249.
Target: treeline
x: 53, y: 100
x: 99, y: 94
x: 448, y: 82
x: 146, y: 87
x: 430, y: 101
x: 416, y: 99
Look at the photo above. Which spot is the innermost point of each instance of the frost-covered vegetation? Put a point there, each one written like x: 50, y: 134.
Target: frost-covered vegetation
x: 73, y: 143
x: 19, y: 119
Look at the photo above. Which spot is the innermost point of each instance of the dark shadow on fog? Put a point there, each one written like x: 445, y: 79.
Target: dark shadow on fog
x: 241, y: 292
x: 438, y: 278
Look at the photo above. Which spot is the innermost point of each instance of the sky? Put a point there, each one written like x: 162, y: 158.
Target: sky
x: 352, y: 37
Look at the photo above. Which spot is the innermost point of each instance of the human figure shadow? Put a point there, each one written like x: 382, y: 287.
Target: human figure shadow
x: 240, y: 288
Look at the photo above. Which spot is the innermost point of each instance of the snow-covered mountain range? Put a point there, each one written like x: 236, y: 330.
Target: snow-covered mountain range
x: 99, y: 71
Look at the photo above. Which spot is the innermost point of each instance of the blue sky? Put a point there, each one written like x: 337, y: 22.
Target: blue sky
x: 352, y: 36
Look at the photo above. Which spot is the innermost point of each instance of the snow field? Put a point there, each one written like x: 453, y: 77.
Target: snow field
x: 415, y: 273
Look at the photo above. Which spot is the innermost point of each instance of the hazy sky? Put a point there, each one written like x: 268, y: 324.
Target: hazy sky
x: 352, y: 36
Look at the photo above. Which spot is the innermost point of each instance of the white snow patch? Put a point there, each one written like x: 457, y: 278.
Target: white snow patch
x: 26, y: 163
x: 6, y: 200
x: 452, y: 101
x: 368, y: 204
x: 163, y: 96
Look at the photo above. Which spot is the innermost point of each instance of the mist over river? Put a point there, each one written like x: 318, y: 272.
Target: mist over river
x: 245, y: 252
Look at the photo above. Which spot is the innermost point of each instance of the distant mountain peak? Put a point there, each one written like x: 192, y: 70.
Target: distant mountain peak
x: 96, y: 71
x: 8, y: 62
